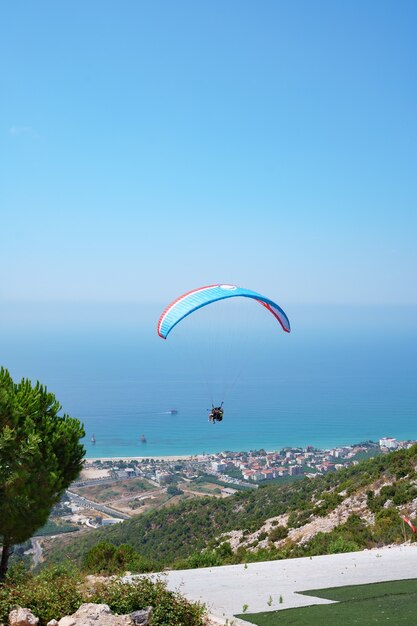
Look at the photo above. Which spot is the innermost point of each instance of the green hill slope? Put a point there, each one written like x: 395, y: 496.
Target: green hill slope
x: 341, y: 511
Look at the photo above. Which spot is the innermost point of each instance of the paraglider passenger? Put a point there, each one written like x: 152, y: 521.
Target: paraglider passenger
x: 216, y: 414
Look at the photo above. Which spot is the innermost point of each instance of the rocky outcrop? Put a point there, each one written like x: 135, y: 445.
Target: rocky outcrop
x: 143, y: 617
x: 22, y: 617
x: 95, y: 615
x: 355, y: 503
x: 87, y: 615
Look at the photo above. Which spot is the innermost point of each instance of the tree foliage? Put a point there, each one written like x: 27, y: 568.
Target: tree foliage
x: 40, y: 455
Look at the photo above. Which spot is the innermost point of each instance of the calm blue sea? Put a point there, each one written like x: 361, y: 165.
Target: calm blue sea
x: 325, y: 384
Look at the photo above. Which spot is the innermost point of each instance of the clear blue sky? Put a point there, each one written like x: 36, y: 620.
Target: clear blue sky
x: 151, y: 147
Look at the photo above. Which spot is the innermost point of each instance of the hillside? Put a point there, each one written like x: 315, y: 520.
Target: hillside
x: 350, y: 509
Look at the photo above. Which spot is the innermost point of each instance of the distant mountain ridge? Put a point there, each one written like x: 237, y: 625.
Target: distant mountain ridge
x: 354, y: 508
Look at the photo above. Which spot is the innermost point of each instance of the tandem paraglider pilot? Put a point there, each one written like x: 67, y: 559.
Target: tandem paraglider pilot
x: 216, y: 413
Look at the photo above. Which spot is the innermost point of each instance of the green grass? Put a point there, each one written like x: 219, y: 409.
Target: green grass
x: 365, y: 592
x: 381, y: 603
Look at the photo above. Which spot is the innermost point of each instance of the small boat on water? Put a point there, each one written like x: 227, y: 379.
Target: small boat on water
x: 92, y: 439
x: 173, y: 411
x: 143, y: 438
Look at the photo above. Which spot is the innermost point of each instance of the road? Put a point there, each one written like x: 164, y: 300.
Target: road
x: 37, y: 551
x: 89, y: 504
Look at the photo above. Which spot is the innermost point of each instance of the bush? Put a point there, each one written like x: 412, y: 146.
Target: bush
x: 277, y: 533
x: 292, y: 520
x: 342, y: 545
x: 58, y: 591
x: 208, y: 558
x: 387, y: 527
x: 225, y: 550
x: 169, y: 608
x: 329, y: 501
x: 105, y: 558
x: 174, y: 491
x: 51, y: 595
x: 295, y: 520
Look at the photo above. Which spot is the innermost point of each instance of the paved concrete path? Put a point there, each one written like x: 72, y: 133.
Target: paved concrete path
x: 226, y: 589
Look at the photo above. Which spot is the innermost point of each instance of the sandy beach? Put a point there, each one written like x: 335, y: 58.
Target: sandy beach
x: 92, y: 472
x: 126, y: 459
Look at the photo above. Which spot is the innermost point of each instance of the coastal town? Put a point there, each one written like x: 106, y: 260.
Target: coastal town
x: 241, y: 468
x: 111, y: 490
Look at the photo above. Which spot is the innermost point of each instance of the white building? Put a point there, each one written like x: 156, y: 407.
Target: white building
x: 218, y: 466
x: 388, y: 442
x: 110, y: 521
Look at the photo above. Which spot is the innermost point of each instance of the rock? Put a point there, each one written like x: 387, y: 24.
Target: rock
x: 95, y: 615
x: 53, y: 622
x: 22, y: 617
x: 66, y: 621
x: 143, y: 617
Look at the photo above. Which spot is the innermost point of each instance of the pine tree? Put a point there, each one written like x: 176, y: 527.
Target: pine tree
x: 40, y: 455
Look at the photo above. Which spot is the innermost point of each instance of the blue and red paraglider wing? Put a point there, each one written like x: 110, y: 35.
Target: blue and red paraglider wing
x: 197, y: 298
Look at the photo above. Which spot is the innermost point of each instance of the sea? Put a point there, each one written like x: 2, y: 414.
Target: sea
x: 343, y: 375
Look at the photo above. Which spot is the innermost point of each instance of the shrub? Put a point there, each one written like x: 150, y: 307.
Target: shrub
x: 105, y: 558
x: 99, y: 557
x: 295, y: 520
x: 388, y: 526
x: 170, y: 608
x: 225, y: 550
x: 50, y: 595
x: 172, y: 490
x: 277, y: 533
x: 58, y: 591
x: 328, y: 502
x: 342, y: 545
x: 208, y: 558
x: 292, y: 520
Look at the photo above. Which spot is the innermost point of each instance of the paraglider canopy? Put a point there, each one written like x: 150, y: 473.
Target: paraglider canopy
x: 192, y: 300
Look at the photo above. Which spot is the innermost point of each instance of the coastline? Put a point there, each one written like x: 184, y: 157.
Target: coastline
x: 173, y: 457
x: 256, y: 467
x: 384, y: 444
x: 188, y: 457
